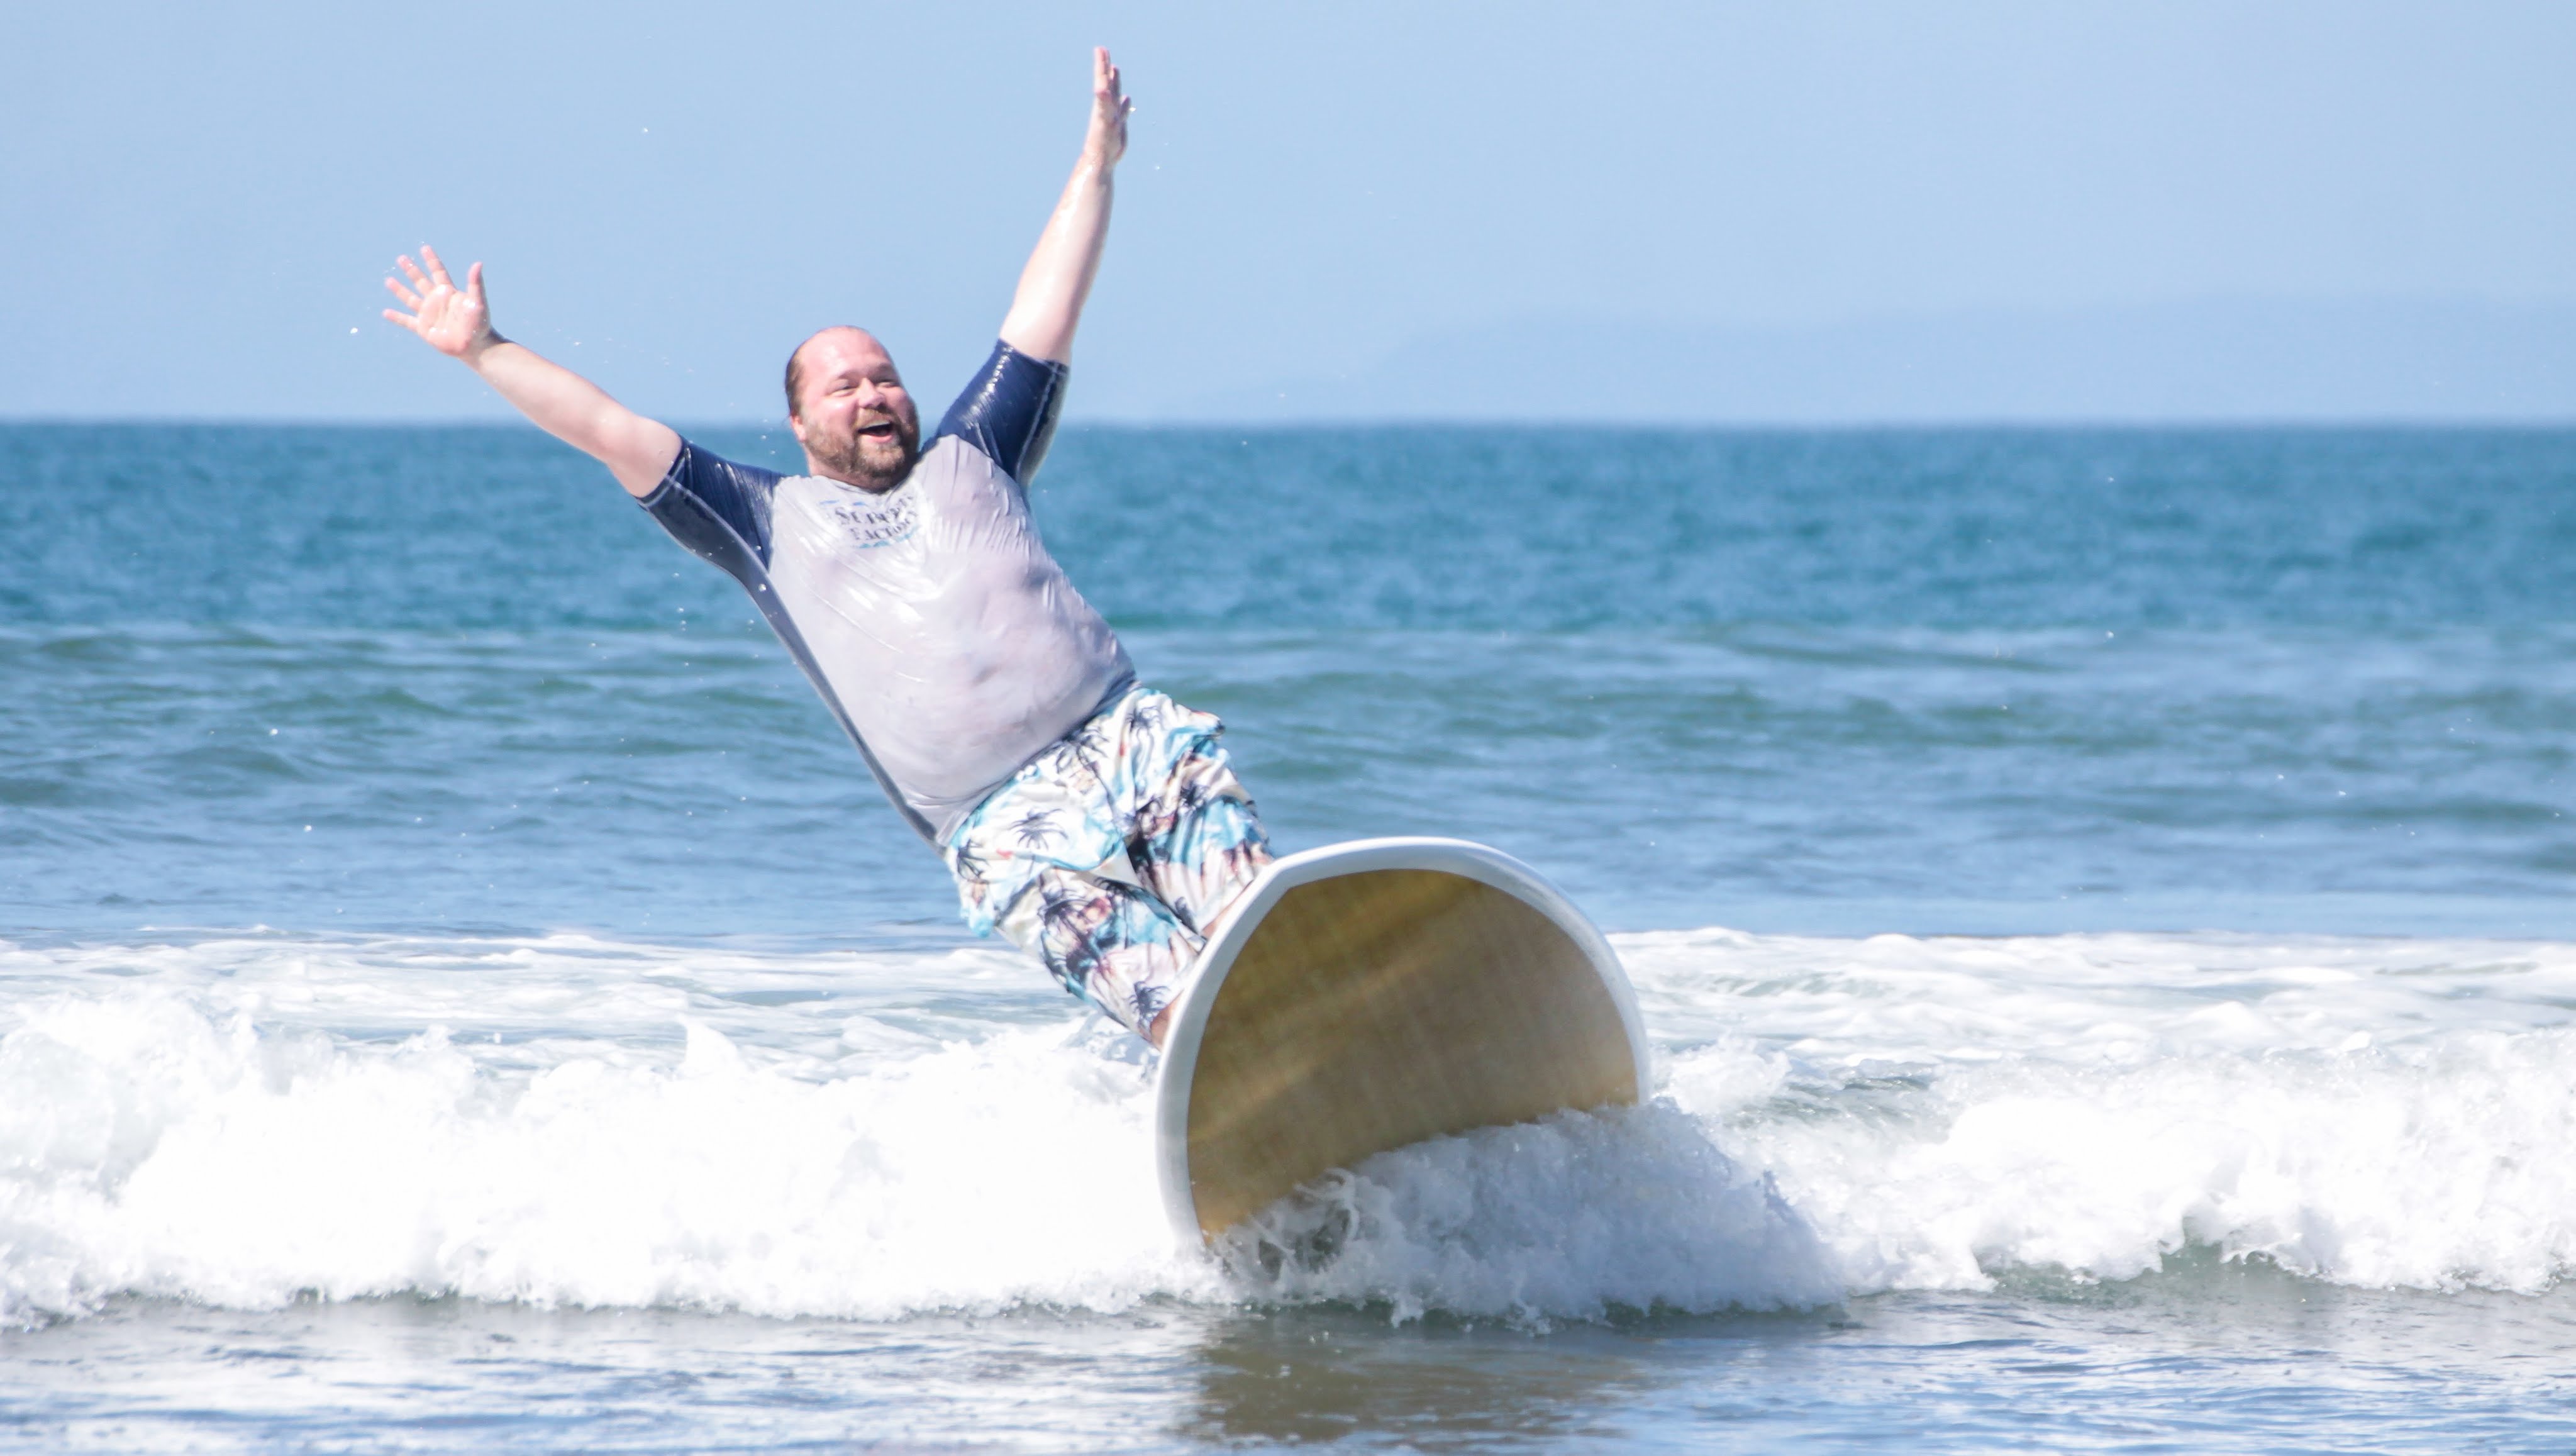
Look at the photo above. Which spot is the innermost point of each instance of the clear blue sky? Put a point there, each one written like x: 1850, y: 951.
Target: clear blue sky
x: 200, y: 199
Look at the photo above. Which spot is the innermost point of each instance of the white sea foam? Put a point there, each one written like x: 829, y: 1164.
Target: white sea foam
x: 1566, y: 1217
x: 153, y: 1149
x: 2372, y: 1111
x: 242, y: 1120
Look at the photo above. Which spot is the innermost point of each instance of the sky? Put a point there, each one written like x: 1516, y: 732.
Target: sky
x: 1827, y: 212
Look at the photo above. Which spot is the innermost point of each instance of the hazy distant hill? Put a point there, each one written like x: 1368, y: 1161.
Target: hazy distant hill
x: 2215, y: 360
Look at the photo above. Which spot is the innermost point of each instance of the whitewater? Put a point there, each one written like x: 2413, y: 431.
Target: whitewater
x: 248, y: 1120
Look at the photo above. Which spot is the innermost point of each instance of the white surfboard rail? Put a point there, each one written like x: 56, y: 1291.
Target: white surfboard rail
x: 1462, y: 858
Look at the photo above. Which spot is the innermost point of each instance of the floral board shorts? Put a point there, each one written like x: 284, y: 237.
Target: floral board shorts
x: 1110, y: 854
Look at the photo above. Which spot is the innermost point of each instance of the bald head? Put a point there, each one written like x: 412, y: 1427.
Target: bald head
x: 850, y: 411
x: 848, y: 337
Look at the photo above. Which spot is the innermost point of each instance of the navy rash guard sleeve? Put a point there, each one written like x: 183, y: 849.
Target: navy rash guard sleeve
x: 1009, y: 411
x: 718, y: 509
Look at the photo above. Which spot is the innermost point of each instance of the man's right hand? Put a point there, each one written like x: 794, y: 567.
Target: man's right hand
x: 455, y: 321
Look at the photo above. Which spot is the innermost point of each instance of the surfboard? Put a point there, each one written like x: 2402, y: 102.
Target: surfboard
x: 1364, y: 996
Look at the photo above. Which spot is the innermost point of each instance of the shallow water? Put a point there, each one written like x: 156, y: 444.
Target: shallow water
x: 2205, y: 1358
x: 2100, y: 902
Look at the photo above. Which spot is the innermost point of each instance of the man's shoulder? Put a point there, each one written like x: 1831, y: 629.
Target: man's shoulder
x: 705, y: 498
x: 1008, y: 411
x: 696, y: 465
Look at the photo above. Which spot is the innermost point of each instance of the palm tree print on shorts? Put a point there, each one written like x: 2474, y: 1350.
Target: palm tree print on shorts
x: 1111, y: 852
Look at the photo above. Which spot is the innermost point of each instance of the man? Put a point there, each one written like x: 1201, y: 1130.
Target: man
x: 1091, y: 820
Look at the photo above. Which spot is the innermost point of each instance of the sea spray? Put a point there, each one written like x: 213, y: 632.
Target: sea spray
x: 1570, y: 1217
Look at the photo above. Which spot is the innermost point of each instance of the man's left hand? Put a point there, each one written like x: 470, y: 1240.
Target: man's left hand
x: 1107, y: 141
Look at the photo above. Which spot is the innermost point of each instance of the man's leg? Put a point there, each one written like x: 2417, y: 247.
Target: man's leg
x: 1105, y: 941
x: 1194, y: 840
x: 1043, y: 862
x: 1197, y: 841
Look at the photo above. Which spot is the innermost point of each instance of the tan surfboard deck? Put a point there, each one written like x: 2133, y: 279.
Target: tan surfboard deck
x: 1368, y: 995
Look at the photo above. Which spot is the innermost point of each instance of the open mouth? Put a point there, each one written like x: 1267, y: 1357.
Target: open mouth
x: 883, y: 430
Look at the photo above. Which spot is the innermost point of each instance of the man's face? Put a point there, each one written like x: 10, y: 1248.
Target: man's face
x: 853, y: 415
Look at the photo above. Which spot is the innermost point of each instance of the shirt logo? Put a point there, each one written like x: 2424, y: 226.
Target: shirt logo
x: 876, y: 522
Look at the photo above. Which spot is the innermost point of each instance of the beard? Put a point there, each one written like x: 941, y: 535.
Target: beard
x: 870, y: 462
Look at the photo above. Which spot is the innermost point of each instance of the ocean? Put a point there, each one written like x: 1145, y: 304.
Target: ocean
x: 2100, y: 900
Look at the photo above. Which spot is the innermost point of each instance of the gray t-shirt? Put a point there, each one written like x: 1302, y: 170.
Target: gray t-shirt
x: 930, y: 617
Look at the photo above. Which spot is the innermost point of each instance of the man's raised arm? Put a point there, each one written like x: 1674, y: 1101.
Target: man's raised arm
x: 1049, y: 304
x: 458, y: 323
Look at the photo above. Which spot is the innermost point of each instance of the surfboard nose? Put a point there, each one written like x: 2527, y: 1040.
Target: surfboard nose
x: 1373, y: 994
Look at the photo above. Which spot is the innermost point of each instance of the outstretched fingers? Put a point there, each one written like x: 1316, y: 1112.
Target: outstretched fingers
x: 447, y: 318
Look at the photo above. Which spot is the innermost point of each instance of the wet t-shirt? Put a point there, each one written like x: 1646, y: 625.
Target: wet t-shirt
x: 930, y: 617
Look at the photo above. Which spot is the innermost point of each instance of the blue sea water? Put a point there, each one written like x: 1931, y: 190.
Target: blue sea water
x: 457, y: 990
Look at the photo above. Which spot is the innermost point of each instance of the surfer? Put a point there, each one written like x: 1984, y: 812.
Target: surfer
x: 1085, y: 817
